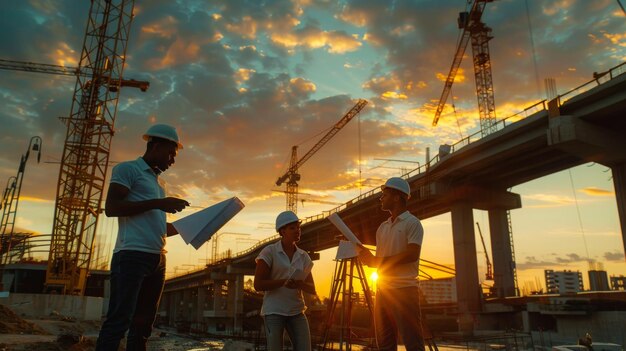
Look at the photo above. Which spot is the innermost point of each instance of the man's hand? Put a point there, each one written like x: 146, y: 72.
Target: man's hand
x: 172, y: 204
x: 366, y: 257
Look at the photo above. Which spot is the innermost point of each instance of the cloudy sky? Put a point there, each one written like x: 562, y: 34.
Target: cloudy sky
x: 245, y: 80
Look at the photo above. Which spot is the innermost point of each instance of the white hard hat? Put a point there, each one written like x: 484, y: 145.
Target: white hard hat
x: 163, y: 131
x: 398, y: 184
x: 285, y: 218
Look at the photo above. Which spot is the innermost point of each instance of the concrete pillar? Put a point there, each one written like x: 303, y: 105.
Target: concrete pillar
x: 177, y: 301
x: 163, y: 307
x: 201, y: 304
x: 185, y: 306
x: 466, y: 265
x: 171, y: 308
x: 619, y: 182
x: 217, y: 295
x: 237, y: 303
x: 503, y: 278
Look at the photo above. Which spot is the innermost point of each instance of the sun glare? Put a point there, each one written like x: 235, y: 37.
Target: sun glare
x: 374, y: 276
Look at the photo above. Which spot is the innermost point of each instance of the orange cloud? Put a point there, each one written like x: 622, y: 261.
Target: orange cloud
x: 593, y: 191
x: 549, y: 200
x: 302, y: 85
x: 356, y: 17
x: 459, y: 78
x: 64, y: 55
x: 335, y: 42
x: 392, y: 95
x: 618, y: 39
x: 556, y: 7
x: 180, y: 51
x: 164, y: 28
x: 243, y: 74
x: 247, y: 28
x: 36, y: 199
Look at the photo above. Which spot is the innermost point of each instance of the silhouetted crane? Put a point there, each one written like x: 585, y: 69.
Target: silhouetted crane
x: 292, y: 176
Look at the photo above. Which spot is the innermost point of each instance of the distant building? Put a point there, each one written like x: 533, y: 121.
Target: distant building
x: 439, y: 290
x: 618, y: 283
x: 563, y: 282
x: 598, y: 280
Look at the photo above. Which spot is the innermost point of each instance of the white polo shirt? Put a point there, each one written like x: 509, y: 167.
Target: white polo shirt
x: 145, y: 231
x: 393, y: 237
x: 283, y: 301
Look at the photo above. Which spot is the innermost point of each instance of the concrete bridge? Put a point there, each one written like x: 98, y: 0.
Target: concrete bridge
x: 584, y: 125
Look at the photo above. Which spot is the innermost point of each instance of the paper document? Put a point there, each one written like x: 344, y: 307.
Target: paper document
x: 343, y: 228
x: 346, y: 249
x: 199, y: 227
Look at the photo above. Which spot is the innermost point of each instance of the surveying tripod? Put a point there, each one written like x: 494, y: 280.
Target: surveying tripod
x: 343, y: 296
x: 342, y: 288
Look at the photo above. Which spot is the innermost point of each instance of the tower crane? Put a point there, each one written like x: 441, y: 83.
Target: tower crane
x: 10, y: 201
x: 489, y: 274
x: 319, y: 201
x: 36, y: 67
x: 480, y: 34
x: 473, y: 28
x: 90, y: 128
x: 292, y: 176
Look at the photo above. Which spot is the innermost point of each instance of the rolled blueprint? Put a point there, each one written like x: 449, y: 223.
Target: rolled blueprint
x: 343, y: 228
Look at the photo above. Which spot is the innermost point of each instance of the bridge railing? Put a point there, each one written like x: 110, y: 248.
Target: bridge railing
x: 257, y: 245
x: 599, y: 78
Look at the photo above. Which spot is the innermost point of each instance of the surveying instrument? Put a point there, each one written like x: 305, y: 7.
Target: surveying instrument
x: 338, y: 323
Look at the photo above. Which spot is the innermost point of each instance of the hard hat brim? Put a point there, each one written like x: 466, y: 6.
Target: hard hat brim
x: 146, y: 137
x: 383, y: 187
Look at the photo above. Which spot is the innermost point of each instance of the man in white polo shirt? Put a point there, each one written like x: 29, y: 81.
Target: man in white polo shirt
x: 398, y: 246
x: 137, y: 197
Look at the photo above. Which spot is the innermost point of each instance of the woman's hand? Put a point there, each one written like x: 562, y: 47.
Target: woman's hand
x: 294, y: 284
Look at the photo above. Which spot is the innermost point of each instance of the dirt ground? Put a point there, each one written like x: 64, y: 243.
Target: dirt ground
x: 57, y: 333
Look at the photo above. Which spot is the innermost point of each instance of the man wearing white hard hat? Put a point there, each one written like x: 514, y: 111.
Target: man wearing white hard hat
x: 398, y: 247
x: 137, y: 198
x: 283, y: 272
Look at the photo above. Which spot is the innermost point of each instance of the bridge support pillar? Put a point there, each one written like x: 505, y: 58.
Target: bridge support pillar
x: 173, y: 310
x: 466, y: 265
x: 186, y: 306
x: 503, y: 277
x: 619, y: 182
x: 236, y: 286
x: 218, y: 296
x: 201, y: 305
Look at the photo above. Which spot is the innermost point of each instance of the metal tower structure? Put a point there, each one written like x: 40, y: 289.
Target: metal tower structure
x: 480, y: 34
x: 90, y: 127
x: 9, y: 204
x: 292, y: 176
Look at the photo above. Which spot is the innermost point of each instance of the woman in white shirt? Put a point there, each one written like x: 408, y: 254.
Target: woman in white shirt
x: 283, y: 272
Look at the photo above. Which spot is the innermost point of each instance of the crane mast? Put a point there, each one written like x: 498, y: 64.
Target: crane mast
x: 479, y: 34
x: 90, y: 127
x: 292, y: 176
x: 489, y: 274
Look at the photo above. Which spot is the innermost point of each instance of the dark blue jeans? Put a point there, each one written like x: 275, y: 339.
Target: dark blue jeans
x: 297, y: 328
x: 136, y: 285
x: 398, y: 311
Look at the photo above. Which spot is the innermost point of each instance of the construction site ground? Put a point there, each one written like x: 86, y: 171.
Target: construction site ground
x: 57, y: 332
